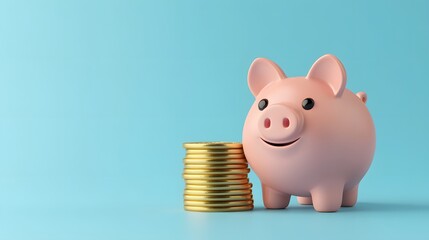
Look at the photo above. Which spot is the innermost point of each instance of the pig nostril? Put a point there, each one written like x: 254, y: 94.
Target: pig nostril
x: 286, y: 122
x: 267, y: 123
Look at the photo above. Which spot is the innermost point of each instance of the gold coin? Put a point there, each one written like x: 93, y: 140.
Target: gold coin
x: 215, y: 151
x: 215, y: 156
x: 217, y: 166
x: 217, y: 198
x: 218, y: 203
x: 219, y: 209
x: 214, y: 177
x: 218, y: 192
x: 216, y: 171
x: 219, y: 187
x: 217, y: 182
x: 212, y: 145
x: 209, y: 161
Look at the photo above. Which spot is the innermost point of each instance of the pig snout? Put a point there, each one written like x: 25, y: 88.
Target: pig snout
x: 280, y: 124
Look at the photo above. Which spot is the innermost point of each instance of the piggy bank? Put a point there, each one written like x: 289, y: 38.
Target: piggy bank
x: 307, y: 136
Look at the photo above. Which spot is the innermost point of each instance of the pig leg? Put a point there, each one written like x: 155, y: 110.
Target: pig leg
x: 350, y: 197
x: 274, y: 199
x: 327, y: 198
x: 305, y: 200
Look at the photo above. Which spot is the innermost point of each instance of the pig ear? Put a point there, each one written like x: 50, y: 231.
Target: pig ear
x: 331, y: 71
x: 261, y: 72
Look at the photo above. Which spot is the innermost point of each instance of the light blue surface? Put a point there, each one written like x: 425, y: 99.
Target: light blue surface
x: 97, y: 97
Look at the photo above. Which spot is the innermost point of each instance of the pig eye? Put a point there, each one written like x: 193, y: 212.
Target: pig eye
x: 263, y: 104
x: 308, y: 103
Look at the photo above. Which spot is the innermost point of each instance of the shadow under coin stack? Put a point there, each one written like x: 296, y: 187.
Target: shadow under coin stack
x: 216, y: 177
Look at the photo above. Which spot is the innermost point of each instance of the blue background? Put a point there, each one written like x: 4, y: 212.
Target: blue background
x: 97, y: 97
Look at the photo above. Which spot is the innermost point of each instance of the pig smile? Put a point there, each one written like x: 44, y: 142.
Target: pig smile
x: 280, y: 144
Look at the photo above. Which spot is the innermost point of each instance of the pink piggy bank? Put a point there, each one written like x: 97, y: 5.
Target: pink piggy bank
x: 307, y: 136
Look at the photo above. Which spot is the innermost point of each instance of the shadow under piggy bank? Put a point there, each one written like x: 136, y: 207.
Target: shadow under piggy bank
x: 360, y: 207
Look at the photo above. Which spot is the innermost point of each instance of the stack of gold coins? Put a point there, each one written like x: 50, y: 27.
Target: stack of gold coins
x: 216, y: 177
